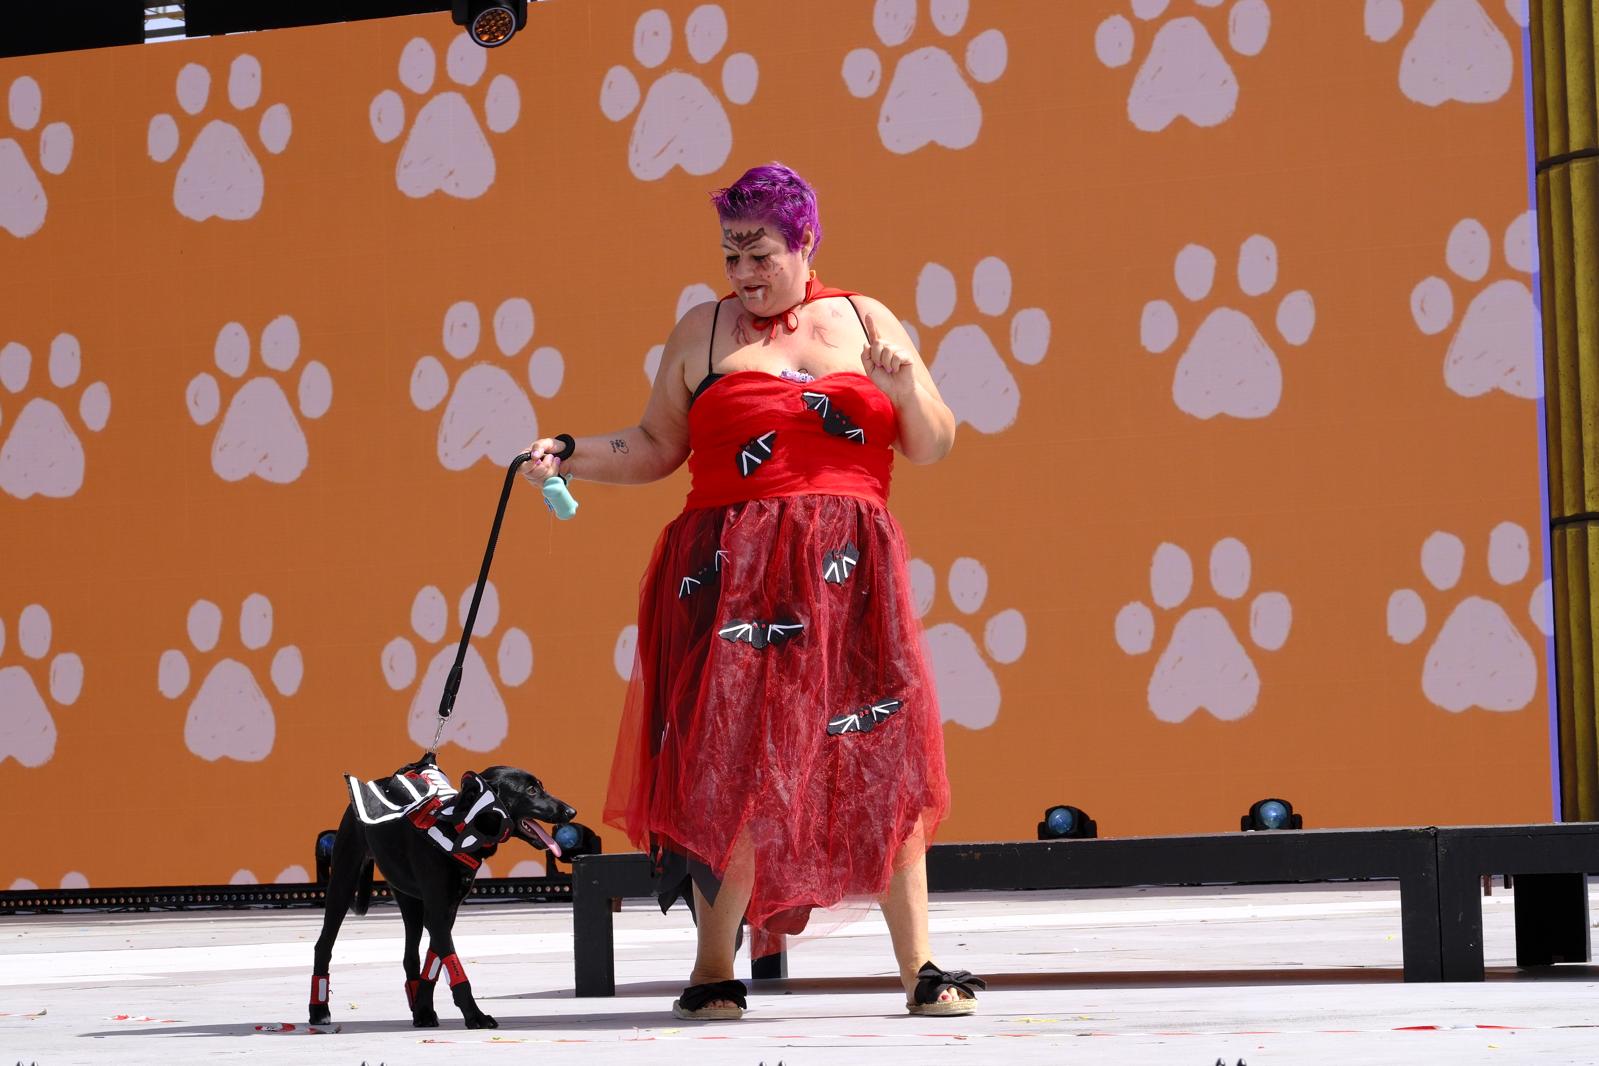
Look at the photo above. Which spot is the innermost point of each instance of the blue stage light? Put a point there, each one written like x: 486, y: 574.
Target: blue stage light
x: 1063, y: 822
x: 324, y: 854
x: 1271, y: 814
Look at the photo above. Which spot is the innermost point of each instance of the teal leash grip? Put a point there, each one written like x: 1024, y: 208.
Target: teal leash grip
x: 558, y: 498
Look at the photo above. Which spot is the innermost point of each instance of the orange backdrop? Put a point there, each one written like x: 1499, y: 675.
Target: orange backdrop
x: 1231, y: 298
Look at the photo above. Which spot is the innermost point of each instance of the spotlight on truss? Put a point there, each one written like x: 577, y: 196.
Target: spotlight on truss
x: 490, y: 23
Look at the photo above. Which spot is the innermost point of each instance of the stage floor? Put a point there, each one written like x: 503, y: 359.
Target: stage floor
x: 1168, y: 976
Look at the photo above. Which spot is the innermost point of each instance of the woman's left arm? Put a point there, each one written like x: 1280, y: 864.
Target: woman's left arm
x: 926, y: 424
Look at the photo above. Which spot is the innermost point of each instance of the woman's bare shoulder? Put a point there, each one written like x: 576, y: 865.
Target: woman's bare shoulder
x: 695, y: 325
x: 870, y: 304
x: 690, y: 341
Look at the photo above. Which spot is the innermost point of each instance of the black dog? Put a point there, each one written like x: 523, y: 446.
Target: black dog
x: 429, y: 858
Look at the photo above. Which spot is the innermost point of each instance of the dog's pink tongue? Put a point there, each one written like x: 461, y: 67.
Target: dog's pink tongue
x: 538, y: 831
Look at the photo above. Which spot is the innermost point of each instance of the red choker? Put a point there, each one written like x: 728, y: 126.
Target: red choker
x: 790, y: 318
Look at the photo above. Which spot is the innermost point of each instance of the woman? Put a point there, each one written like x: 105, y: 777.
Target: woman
x: 781, y: 746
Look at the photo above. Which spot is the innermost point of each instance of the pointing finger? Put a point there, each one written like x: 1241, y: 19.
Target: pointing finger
x: 871, y: 332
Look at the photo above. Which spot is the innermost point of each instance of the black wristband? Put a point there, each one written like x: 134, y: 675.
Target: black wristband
x: 571, y: 445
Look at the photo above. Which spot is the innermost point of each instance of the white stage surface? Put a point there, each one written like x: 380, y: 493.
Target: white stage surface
x: 1162, y: 976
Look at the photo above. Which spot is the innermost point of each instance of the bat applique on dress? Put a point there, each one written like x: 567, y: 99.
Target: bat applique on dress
x: 691, y: 583
x: 755, y: 452
x: 863, y: 719
x: 759, y: 634
x: 834, y: 421
x: 838, y: 565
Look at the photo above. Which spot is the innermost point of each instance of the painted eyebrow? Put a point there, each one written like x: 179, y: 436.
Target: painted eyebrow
x: 742, y: 240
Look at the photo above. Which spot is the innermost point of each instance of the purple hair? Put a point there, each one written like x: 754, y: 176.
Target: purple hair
x: 777, y: 194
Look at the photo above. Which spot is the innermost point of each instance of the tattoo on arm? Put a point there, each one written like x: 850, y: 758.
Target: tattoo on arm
x: 618, y: 445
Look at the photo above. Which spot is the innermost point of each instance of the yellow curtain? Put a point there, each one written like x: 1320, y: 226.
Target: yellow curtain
x: 1565, y: 39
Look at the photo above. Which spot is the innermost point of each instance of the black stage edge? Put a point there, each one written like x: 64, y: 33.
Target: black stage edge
x: 1439, y: 872
x: 1550, y: 864
x: 555, y: 888
x: 1408, y: 856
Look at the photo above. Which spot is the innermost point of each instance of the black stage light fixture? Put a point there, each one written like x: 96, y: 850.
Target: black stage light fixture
x: 490, y: 23
x: 576, y: 839
x: 324, y: 854
x: 1062, y: 822
x: 1271, y: 814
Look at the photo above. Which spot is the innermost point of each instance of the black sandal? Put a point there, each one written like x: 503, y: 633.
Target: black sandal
x: 931, y: 981
x: 691, y: 1005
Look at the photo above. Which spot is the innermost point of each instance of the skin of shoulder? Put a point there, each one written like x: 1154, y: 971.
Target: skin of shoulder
x: 887, y: 323
x: 665, y: 417
x: 689, y: 345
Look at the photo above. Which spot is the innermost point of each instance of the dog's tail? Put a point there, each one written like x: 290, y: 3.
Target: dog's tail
x: 363, y: 888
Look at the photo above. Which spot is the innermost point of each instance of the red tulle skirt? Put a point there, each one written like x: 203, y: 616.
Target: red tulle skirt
x: 737, y: 723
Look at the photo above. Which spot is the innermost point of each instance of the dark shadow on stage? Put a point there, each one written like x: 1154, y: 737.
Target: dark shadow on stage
x: 1008, y: 982
x: 665, y: 991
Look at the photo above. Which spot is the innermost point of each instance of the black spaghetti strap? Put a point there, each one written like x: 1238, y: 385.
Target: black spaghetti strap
x: 857, y: 311
x: 710, y: 349
x: 711, y: 376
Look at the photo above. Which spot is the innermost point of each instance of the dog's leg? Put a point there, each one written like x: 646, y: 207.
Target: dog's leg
x: 439, y: 917
x: 418, y: 991
x: 349, y: 856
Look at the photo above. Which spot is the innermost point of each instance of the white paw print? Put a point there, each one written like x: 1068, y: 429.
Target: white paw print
x: 1456, y: 51
x: 27, y: 728
x: 974, y: 379
x: 230, y: 716
x: 479, y: 721
x: 1184, y: 74
x: 929, y: 100
x: 968, y: 691
x: 1479, y: 657
x: 624, y: 651
x: 42, y: 454
x: 489, y: 413
x: 446, y: 150
x: 289, y: 875
x: 220, y: 176
x: 23, y: 203
x: 260, y: 434
x: 1204, y: 667
x: 682, y: 123
x: 1495, y: 345
x: 1227, y: 368
x: 73, y: 879
x: 690, y: 298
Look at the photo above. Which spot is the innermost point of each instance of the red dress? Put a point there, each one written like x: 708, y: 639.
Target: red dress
x: 781, y: 685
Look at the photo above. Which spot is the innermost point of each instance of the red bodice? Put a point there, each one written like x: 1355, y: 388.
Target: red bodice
x: 754, y: 435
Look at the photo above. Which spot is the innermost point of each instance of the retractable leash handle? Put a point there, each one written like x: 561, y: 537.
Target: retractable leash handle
x: 559, y: 500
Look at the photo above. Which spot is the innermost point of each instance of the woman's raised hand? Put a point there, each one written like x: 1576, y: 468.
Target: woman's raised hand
x: 887, y: 365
